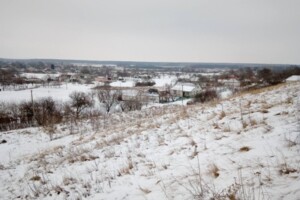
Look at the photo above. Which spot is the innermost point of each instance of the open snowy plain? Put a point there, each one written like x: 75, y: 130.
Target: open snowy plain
x: 59, y: 93
x: 245, y: 147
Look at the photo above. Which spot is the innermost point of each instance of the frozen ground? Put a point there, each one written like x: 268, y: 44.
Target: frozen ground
x: 248, y: 151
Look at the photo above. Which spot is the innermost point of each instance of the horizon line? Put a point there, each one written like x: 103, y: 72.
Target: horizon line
x: 136, y: 61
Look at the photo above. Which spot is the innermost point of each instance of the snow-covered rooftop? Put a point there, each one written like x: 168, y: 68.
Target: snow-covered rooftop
x: 186, y: 87
x: 293, y: 78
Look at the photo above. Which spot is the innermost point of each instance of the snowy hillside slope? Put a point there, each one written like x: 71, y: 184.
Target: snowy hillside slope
x: 245, y: 147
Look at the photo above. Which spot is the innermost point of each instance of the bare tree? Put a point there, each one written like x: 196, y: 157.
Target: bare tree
x: 80, y: 101
x: 169, y: 92
x: 46, y: 112
x: 108, y: 97
x: 26, y: 112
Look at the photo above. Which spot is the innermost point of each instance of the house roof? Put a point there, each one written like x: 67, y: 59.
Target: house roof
x: 185, y: 87
x: 293, y: 78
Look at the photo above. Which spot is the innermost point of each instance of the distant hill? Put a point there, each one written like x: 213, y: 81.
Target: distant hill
x: 146, y: 64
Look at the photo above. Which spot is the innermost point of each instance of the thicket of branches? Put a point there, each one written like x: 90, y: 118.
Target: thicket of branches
x: 272, y: 77
x: 205, y: 96
x: 46, y: 112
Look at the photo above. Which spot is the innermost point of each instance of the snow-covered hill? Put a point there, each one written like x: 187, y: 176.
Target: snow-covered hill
x: 245, y: 147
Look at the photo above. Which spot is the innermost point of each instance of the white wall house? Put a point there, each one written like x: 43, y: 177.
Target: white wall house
x: 232, y: 82
x: 185, y: 89
x: 294, y: 78
x: 140, y: 96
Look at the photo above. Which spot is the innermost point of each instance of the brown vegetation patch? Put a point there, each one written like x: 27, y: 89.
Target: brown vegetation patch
x: 214, y: 170
x: 244, y: 149
x: 35, y: 178
x: 287, y: 170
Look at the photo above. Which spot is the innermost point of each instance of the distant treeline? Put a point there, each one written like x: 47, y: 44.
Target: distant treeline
x: 137, y: 64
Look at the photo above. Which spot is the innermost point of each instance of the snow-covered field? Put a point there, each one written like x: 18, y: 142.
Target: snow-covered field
x: 60, y: 93
x: 39, y: 75
x: 128, y: 83
x: 159, y: 81
x: 251, y: 150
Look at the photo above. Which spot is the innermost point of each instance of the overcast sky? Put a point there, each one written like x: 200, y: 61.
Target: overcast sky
x: 255, y: 31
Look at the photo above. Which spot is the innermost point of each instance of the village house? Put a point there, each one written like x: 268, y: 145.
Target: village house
x: 185, y: 90
x: 140, y: 95
x: 292, y: 79
x: 231, y: 82
x: 102, y: 80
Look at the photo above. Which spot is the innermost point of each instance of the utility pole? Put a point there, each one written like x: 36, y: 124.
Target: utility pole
x: 182, y: 94
x: 32, y: 106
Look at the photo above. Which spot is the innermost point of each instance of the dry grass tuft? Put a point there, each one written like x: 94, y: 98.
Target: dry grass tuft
x: 253, y: 122
x: 289, y: 100
x: 193, y: 143
x: 266, y: 106
x: 244, y: 124
x: 35, y: 178
x: 287, y: 170
x: 244, y: 149
x: 222, y: 115
x: 194, y: 154
x: 226, y: 129
x: 127, y: 168
x: 214, y: 170
x: 69, y: 180
x: 232, y: 196
x: 264, y: 111
x: 264, y: 89
x: 216, y: 125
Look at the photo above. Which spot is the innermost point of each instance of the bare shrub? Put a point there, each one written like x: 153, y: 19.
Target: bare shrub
x: 26, y: 110
x: 79, y: 102
x: 130, y: 105
x: 108, y: 97
x: 206, y: 96
x: 46, y: 112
